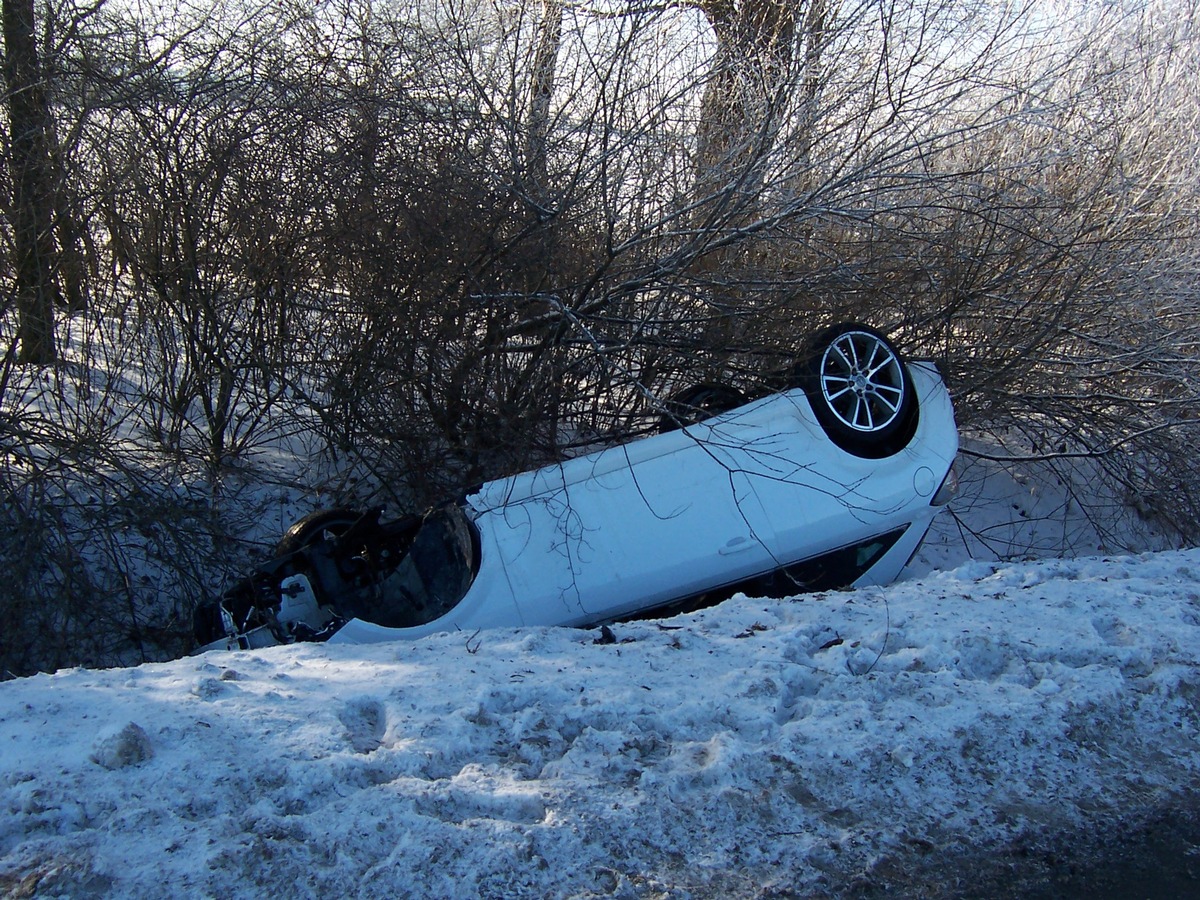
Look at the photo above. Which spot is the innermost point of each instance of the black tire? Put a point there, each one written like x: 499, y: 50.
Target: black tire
x: 315, y: 527
x: 860, y: 390
x: 698, y: 402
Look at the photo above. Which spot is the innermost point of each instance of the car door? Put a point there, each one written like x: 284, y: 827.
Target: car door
x: 626, y: 529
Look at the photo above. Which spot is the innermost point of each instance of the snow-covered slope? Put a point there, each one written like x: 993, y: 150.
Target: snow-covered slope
x: 762, y: 748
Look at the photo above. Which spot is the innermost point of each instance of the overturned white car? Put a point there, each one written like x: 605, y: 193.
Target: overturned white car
x: 832, y: 482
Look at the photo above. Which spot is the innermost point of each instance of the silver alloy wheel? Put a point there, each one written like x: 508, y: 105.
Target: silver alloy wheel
x: 862, y: 381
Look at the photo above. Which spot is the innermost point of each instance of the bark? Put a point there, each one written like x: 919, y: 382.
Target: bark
x: 33, y: 190
x: 541, y: 89
x: 743, y: 100
x: 814, y: 39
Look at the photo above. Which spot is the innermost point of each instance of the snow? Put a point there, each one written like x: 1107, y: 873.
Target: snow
x: 759, y: 747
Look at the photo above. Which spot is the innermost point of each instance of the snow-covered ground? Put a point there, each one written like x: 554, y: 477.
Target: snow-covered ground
x: 835, y: 744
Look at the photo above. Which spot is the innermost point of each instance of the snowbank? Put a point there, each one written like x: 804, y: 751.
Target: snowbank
x: 762, y: 747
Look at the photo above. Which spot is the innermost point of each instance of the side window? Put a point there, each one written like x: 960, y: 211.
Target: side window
x: 837, y: 568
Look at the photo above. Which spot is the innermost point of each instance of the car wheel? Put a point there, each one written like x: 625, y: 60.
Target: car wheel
x: 860, y: 390
x: 697, y: 403
x: 315, y: 527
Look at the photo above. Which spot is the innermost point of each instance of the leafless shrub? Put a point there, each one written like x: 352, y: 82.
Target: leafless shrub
x: 459, y: 238
x: 101, y: 548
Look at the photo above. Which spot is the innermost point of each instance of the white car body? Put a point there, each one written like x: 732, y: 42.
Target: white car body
x: 712, y: 505
x: 831, y: 483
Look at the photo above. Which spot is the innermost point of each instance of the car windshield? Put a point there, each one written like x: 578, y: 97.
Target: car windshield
x: 434, y: 574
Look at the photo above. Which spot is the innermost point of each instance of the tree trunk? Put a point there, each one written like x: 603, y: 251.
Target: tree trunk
x: 814, y: 38
x: 541, y: 89
x: 742, y: 103
x: 33, y: 193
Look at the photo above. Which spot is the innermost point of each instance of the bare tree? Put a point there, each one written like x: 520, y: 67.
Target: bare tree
x: 541, y: 90
x: 744, y: 99
x: 36, y: 288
